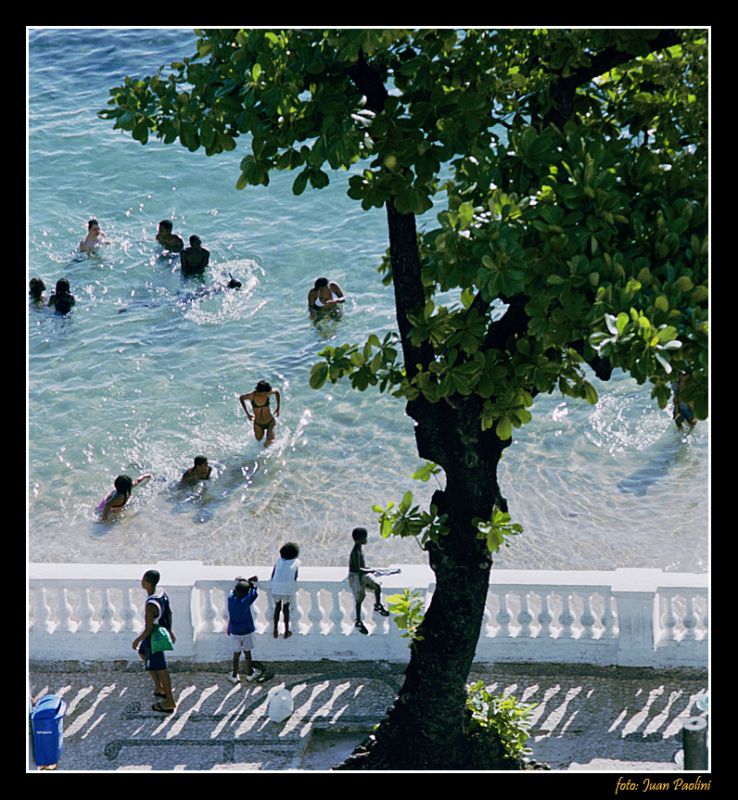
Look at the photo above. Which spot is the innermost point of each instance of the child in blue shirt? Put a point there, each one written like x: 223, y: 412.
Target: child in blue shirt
x: 241, y: 626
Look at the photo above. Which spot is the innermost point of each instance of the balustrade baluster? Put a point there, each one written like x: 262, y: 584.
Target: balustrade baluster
x: 336, y: 611
x: 298, y: 617
x: 690, y: 621
x: 669, y: 620
x: 588, y: 618
x: 315, y: 615
x: 130, y: 612
x: 608, y: 618
x: 503, y: 615
x: 545, y: 617
x: 107, y: 612
x: 42, y: 615
x: 210, y: 612
x: 566, y: 618
x: 65, y: 612
x: 86, y: 612
x: 524, y: 617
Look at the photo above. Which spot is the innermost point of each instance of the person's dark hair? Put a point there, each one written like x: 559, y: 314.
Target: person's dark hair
x: 195, y: 240
x: 289, y: 551
x: 152, y: 576
x: 35, y: 288
x: 320, y: 283
x: 358, y: 533
x: 91, y: 223
x: 200, y: 460
x: 241, y: 589
x: 166, y: 224
x: 124, y: 484
x: 62, y: 286
x: 263, y: 386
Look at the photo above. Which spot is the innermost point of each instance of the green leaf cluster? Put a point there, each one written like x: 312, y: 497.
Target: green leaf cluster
x: 505, y: 715
x: 497, y: 529
x: 405, y: 519
x: 408, y: 610
x: 591, y: 221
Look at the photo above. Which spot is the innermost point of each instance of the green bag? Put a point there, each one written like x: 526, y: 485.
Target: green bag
x: 160, y: 639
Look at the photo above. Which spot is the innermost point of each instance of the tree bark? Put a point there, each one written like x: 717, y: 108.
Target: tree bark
x: 427, y: 728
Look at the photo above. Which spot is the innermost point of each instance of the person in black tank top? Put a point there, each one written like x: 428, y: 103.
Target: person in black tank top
x: 158, y: 612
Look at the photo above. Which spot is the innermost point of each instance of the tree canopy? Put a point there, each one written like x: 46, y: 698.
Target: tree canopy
x: 566, y: 173
x: 591, y: 227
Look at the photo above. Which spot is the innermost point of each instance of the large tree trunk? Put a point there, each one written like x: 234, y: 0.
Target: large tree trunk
x: 427, y: 728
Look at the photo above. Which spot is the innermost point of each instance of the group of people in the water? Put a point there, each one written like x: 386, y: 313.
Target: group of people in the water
x: 325, y: 296
x: 264, y: 423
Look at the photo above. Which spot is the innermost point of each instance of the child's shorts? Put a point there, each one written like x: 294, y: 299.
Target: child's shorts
x: 359, y: 583
x: 284, y: 599
x: 244, y: 642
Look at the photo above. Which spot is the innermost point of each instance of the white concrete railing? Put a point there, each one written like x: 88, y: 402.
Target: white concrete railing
x: 635, y: 617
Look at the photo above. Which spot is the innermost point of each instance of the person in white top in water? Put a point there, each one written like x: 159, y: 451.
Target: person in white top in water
x: 284, y: 576
x: 95, y: 237
x: 325, y: 294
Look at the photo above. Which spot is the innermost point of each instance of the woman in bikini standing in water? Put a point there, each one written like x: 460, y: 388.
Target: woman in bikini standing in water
x: 262, y: 417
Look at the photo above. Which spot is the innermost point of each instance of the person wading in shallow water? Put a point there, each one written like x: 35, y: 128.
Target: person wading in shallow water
x: 95, y: 237
x: 262, y: 417
x: 168, y: 240
x: 195, y: 258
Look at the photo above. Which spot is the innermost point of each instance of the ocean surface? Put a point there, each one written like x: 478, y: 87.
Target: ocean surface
x: 146, y: 371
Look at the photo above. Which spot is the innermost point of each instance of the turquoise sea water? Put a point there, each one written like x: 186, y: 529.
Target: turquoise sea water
x: 146, y: 371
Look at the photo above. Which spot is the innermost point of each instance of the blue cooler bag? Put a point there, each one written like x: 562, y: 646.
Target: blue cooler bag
x: 47, y: 723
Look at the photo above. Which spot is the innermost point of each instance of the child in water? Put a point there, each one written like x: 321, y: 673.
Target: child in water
x: 62, y: 299
x: 124, y: 485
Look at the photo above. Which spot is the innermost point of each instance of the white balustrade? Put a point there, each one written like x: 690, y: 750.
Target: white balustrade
x: 637, y: 617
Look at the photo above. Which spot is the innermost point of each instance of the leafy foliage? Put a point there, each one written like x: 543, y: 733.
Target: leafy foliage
x: 504, y: 715
x: 408, y: 608
x: 574, y: 225
x: 497, y: 529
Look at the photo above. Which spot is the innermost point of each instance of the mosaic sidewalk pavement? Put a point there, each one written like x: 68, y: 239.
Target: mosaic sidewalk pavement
x: 586, y: 718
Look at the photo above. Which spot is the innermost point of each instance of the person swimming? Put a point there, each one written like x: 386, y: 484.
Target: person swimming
x: 195, y: 258
x: 95, y: 237
x: 115, y: 501
x: 262, y: 417
x: 36, y: 289
x: 168, y: 240
x: 62, y: 299
x: 325, y: 294
x: 201, y: 471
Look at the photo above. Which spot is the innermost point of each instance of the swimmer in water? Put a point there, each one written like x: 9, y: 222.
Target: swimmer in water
x: 168, y: 240
x: 62, y: 299
x: 325, y: 294
x: 95, y: 237
x: 262, y: 417
x: 194, y: 258
x: 199, y: 472
x: 124, y: 485
x: 36, y: 289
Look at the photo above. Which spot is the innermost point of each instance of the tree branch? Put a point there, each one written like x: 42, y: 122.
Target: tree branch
x: 564, y: 89
x: 514, y: 322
